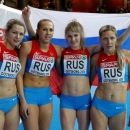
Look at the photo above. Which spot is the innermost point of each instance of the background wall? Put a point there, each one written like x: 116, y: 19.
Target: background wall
x: 112, y: 4
x: 85, y: 5
x: 91, y: 5
x: 78, y: 5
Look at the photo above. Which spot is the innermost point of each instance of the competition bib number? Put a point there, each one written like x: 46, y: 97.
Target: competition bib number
x: 111, y: 73
x: 41, y: 65
x: 10, y: 66
x: 75, y: 64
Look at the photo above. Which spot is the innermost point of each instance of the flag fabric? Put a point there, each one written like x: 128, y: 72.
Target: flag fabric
x: 91, y: 22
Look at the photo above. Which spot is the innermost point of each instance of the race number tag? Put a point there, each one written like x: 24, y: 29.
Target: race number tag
x: 41, y: 65
x: 75, y: 64
x: 110, y: 72
x: 10, y: 66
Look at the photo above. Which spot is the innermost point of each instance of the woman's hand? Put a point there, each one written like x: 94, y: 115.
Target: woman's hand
x: 26, y: 13
x: 24, y: 110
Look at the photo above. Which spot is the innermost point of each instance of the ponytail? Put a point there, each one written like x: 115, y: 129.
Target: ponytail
x: 120, y: 58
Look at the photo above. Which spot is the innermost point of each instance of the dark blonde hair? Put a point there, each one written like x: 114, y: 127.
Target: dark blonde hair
x: 120, y: 55
x: 75, y: 26
x: 11, y: 22
x: 9, y: 26
x: 39, y: 25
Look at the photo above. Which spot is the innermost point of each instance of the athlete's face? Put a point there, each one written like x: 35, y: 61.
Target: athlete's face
x: 108, y: 40
x: 15, y: 35
x: 73, y: 39
x: 46, y: 31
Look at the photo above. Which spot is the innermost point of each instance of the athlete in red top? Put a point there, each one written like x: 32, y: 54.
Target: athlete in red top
x: 9, y: 68
x: 37, y: 59
x: 113, y: 68
x: 75, y: 100
x: 76, y: 86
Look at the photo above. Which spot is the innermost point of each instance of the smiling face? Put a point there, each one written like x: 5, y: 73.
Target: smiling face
x: 73, y: 39
x: 45, y: 31
x: 74, y: 34
x: 15, y: 35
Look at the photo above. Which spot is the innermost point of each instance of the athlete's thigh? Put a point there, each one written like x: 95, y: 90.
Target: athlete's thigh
x: 2, y: 120
x: 32, y: 122
x: 83, y: 117
x: 12, y: 119
x: 45, y: 116
x: 98, y: 119
x: 118, y: 122
x: 67, y: 117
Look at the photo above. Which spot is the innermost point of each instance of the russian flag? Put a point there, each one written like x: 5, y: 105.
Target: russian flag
x: 91, y: 22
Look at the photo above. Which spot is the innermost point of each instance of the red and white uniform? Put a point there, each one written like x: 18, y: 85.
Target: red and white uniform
x: 40, y: 63
x: 9, y: 63
x: 108, y: 70
x: 76, y: 62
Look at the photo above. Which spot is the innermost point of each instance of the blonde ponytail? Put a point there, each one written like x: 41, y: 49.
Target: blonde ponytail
x: 120, y: 58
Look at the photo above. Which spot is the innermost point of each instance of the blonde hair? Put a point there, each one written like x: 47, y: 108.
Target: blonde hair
x: 75, y: 26
x: 11, y: 22
x: 120, y: 55
x: 9, y: 26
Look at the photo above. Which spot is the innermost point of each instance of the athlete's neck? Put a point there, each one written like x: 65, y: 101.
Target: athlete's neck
x: 43, y: 46
x: 8, y: 45
x: 109, y: 53
x: 75, y: 48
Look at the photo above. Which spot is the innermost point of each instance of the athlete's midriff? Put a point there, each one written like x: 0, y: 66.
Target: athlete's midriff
x: 36, y: 81
x: 7, y: 88
x: 76, y: 86
x: 115, y: 92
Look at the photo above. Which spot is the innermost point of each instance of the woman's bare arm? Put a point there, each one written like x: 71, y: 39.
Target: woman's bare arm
x: 26, y: 14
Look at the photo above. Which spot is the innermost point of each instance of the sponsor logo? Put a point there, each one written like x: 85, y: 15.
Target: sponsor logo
x: 50, y: 98
x: 5, y: 52
x: 87, y: 105
x: 14, y: 99
x: 83, y: 57
x: 109, y: 64
x: 72, y: 57
x: 43, y: 58
x: 118, y: 107
x: 7, y: 56
x: 104, y: 59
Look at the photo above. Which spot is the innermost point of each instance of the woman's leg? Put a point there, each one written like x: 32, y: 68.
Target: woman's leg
x: 83, y: 117
x: 118, y: 122
x: 12, y: 119
x: 67, y: 117
x: 45, y: 116
x: 98, y: 119
x: 32, y: 122
x: 2, y: 120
